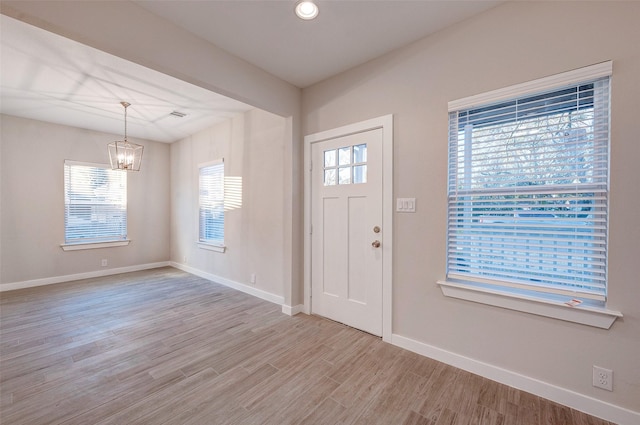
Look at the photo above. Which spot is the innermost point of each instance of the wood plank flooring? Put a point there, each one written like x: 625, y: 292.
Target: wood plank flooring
x: 166, y: 347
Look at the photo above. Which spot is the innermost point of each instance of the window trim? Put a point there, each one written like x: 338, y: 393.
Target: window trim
x: 203, y: 244
x: 93, y: 245
x: 591, y: 72
x: 212, y: 247
x: 559, y: 307
x: 599, y: 317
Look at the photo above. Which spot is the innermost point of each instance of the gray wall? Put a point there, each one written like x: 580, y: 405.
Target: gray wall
x: 252, y: 145
x: 32, y: 192
x: 510, y: 44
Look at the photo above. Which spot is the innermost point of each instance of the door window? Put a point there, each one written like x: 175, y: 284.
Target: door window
x: 345, y: 165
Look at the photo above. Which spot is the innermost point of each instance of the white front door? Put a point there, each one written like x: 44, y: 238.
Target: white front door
x: 347, y: 233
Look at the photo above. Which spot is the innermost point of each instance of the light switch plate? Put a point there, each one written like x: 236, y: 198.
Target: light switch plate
x: 407, y: 205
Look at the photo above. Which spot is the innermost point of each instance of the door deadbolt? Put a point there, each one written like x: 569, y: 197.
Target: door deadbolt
x: 376, y: 229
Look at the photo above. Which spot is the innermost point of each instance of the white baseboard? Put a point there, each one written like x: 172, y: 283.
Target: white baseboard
x: 267, y: 296
x: 292, y: 310
x: 78, y: 276
x: 577, y: 401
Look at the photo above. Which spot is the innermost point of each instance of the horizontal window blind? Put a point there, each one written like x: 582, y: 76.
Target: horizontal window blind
x: 211, y: 211
x: 528, y: 191
x: 95, y: 207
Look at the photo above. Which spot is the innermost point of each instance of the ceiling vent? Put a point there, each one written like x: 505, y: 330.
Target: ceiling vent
x: 178, y: 114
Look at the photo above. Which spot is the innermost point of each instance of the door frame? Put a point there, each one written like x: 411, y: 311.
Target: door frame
x: 386, y: 124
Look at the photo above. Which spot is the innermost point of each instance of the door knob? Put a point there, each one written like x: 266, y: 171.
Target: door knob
x: 375, y: 244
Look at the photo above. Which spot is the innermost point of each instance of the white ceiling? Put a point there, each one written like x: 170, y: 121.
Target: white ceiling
x: 51, y: 78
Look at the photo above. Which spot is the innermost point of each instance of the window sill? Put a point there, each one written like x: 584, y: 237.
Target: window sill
x: 211, y: 247
x: 93, y: 245
x: 587, y: 315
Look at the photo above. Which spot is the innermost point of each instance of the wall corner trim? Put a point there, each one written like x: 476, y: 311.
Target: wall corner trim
x: 572, y: 399
x: 292, y: 310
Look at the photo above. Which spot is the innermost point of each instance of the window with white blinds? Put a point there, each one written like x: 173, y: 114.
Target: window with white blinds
x: 95, y: 203
x: 211, y: 211
x: 528, y: 187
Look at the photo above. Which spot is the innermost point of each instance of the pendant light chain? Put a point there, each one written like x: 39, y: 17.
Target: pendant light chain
x: 126, y: 105
x: 125, y: 123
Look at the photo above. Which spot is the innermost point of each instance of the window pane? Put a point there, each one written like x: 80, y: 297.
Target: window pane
x: 211, y: 189
x: 95, y: 204
x: 360, y: 153
x: 330, y: 158
x: 344, y: 175
x: 330, y: 177
x: 528, y: 190
x: 360, y: 174
x: 344, y: 155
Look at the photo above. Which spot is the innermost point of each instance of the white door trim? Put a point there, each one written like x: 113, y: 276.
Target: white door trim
x: 386, y: 124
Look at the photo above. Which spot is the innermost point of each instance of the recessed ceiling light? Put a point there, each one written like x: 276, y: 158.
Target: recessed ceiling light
x: 306, y: 9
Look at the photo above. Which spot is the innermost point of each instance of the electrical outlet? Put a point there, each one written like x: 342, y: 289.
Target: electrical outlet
x: 603, y: 378
x: 253, y: 278
x: 104, y: 262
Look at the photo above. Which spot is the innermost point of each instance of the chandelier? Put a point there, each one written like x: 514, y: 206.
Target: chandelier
x: 122, y: 154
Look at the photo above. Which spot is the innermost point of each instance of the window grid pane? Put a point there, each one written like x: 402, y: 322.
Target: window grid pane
x: 330, y: 177
x: 344, y: 175
x: 360, y: 154
x: 330, y: 158
x: 344, y: 156
x: 359, y: 174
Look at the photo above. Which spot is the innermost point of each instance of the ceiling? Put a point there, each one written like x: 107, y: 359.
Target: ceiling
x: 50, y: 78
x: 345, y: 34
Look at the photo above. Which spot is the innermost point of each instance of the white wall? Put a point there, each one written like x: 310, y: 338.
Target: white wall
x: 252, y: 145
x: 510, y: 44
x: 32, y: 193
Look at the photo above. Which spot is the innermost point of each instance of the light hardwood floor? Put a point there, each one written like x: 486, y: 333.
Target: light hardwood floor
x: 166, y: 347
